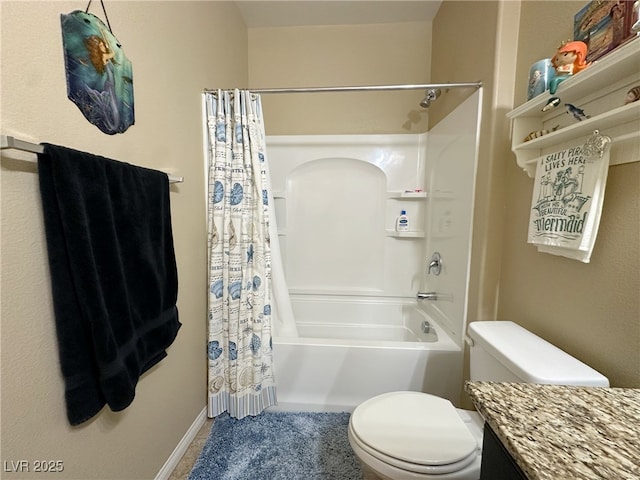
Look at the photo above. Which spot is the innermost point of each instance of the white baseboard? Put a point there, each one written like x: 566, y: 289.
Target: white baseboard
x: 309, y: 407
x: 178, y: 452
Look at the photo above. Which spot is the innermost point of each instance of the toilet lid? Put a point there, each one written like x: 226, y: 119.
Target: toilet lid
x: 414, y: 427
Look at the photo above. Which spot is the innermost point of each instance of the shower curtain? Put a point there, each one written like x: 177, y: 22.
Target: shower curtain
x: 240, y: 224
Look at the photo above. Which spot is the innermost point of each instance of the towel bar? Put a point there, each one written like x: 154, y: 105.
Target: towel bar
x: 8, y: 141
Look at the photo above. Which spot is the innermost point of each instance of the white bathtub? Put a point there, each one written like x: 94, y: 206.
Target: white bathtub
x: 350, y: 349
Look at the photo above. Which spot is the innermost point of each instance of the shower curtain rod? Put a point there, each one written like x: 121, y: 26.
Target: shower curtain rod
x: 367, y: 88
x: 8, y: 141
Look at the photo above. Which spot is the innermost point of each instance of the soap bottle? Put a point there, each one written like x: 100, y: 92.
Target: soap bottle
x: 402, y: 222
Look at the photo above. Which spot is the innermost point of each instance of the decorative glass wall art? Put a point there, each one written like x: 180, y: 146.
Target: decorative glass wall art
x: 99, y: 75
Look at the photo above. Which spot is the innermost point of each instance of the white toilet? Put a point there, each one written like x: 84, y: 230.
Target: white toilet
x: 413, y: 435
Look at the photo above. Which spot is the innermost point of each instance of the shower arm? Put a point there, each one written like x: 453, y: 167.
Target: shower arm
x: 367, y: 88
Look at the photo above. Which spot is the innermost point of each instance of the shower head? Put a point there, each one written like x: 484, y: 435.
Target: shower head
x: 431, y: 95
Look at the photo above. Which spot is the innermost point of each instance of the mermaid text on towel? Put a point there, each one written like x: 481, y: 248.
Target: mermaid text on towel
x: 559, y: 198
x: 566, y: 204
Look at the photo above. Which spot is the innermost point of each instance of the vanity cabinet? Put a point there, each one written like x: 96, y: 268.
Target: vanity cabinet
x: 497, y: 463
x: 540, y: 431
x: 600, y: 91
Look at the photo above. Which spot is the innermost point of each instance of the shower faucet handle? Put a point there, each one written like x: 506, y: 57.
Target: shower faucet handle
x: 435, y: 264
x: 427, y: 296
x: 433, y: 296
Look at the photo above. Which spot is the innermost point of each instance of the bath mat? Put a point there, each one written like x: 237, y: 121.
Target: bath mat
x: 278, y: 446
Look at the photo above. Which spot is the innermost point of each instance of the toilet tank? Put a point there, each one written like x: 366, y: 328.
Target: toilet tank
x: 503, y: 351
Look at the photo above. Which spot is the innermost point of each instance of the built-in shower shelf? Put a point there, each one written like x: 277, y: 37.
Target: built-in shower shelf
x: 407, y: 195
x: 393, y: 233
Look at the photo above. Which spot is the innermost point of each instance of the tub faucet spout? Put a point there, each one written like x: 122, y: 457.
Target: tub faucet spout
x: 427, y: 296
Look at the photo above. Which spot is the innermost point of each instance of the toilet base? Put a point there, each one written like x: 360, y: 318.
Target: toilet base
x: 370, y: 474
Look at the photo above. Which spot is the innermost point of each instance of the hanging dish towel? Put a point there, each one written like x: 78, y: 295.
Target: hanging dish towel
x: 113, y: 274
x: 567, y: 202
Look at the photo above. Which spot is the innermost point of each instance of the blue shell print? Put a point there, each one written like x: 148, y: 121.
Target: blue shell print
x: 236, y: 194
x: 218, y: 192
x: 221, y: 135
x: 265, y: 197
x: 256, y: 282
x: 235, y: 289
x: 267, y: 309
x: 216, y: 288
x: 233, y: 351
x: 214, y: 350
x: 238, y: 133
x: 255, y: 343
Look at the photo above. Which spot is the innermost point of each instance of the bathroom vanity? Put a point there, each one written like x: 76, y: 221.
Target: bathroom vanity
x: 541, y: 432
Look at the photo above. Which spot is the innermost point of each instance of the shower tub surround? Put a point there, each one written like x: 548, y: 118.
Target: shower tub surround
x: 368, y: 347
x: 337, y: 198
x: 356, y: 328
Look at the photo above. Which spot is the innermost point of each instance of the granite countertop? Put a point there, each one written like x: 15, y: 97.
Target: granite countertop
x: 557, y: 432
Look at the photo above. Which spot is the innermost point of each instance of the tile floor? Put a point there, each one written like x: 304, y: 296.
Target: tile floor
x: 186, y: 463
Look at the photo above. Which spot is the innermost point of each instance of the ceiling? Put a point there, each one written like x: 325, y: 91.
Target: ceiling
x: 268, y: 13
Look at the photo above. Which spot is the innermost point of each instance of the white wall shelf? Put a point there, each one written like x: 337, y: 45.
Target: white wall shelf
x: 410, y: 234
x: 407, y: 195
x: 600, y: 91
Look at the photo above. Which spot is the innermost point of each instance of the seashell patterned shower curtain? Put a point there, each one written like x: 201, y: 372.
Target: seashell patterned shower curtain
x: 240, y: 357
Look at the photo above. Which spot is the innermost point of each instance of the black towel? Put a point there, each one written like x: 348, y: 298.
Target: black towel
x: 113, y: 274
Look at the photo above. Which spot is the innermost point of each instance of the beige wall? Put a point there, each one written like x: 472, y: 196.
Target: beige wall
x: 325, y: 56
x: 593, y: 314
x: 494, y: 42
x: 591, y: 310
x: 464, y: 38
x: 171, y: 47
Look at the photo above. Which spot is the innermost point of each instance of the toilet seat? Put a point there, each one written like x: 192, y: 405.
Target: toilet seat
x: 413, y: 431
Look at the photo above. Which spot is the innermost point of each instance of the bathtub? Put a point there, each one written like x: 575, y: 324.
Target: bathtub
x: 350, y: 349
